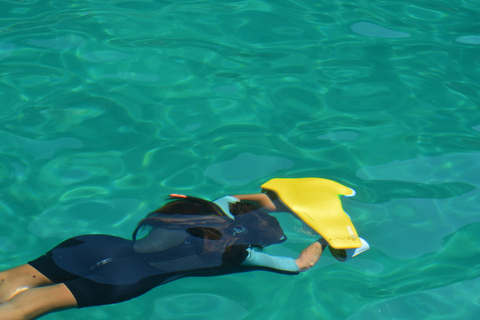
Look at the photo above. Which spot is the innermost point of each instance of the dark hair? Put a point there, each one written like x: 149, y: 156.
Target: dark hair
x: 204, y: 219
x: 188, y: 205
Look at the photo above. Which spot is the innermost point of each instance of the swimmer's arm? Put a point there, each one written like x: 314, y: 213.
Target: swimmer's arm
x: 307, y: 259
x: 278, y: 263
x: 311, y: 254
x: 260, y: 199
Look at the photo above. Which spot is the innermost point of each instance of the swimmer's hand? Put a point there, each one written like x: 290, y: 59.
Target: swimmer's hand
x: 311, y: 254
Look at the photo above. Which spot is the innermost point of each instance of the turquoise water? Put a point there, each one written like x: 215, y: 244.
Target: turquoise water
x: 108, y: 106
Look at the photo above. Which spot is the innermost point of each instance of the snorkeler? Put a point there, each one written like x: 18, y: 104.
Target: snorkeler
x: 187, y: 236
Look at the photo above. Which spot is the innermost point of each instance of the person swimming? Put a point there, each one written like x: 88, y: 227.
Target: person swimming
x: 187, y: 236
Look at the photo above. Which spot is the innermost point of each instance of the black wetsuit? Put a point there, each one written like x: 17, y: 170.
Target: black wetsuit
x: 104, y: 269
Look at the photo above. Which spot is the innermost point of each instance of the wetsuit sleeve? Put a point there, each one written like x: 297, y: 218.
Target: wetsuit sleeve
x: 261, y: 259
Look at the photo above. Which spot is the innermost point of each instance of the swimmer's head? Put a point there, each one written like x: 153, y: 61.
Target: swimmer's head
x: 204, y: 219
x: 188, y: 205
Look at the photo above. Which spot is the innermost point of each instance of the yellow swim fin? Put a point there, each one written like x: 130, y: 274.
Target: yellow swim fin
x: 317, y: 203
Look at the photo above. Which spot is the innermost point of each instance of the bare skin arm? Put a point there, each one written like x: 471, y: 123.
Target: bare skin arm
x: 260, y: 199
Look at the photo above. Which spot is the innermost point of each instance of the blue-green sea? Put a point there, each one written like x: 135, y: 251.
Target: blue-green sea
x: 106, y: 107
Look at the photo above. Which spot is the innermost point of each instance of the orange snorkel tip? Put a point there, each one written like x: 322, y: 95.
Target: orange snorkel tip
x: 174, y: 195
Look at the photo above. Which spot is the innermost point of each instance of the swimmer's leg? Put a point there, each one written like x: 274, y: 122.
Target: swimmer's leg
x: 16, y: 280
x: 33, y: 303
